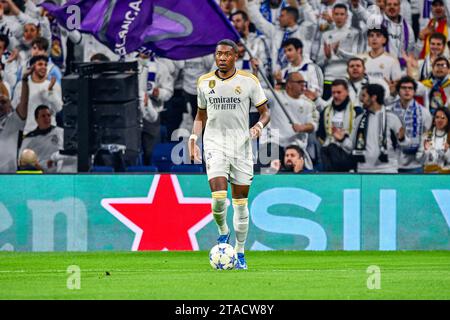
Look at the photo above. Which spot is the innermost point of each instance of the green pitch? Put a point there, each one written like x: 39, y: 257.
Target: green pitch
x: 187, y: 275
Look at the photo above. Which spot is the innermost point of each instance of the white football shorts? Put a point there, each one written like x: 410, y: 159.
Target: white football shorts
x: 238, y: 171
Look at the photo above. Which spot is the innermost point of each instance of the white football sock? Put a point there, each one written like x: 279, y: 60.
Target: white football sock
x: 219, y: 209
x: 240, y: 222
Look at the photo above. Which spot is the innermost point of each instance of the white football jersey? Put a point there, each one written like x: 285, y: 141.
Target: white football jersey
x: 228, y: 102
x: 384, y: 66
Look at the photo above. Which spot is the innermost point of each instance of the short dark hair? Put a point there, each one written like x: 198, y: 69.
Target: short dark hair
x: 381, y: 30
x: 100, y: 57
x: 439, y: 36
x: 441, y: 59
x: 356, y: 59
x: 35, y: 59
x: 297, y: 43
x: 38, y: 109
x: 405, y: 79
x: 375, y: 89
x: 340, y: 82
x: 340, y: 6
x: 230, y: 43
x: 41, y: 43
x: 5, y: 39
x: 242, y: 13
x: 293, y: 12
x: 296, y: 148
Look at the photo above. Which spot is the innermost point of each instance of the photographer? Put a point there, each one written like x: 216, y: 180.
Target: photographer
x: 375, y: 135
x: 294, y: 161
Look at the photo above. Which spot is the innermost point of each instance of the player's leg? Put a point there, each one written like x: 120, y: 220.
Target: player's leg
x: 241, y: 175
x: 218, y: 187
x: 240, y: 220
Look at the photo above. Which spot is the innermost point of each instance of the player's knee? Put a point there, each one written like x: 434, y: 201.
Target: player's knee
x: 219, y: 201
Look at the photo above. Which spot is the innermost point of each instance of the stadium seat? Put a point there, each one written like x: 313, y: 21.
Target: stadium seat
x: 102, y: 169
x: 161, y: 156
x: 142, y: 169
x: 188, y: 168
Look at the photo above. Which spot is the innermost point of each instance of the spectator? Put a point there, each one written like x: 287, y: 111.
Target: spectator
x: 437, y: 24
x: 12, y: 21
x: 400, y: 35
x: 29, y: 162
x: 357, y: 78
x: 293, y: 49
x: 157, y: 83
x: 293, y: 161
x: 300, y: 109
x: 340, y: 114
x: 379, y: 63
x: 435, y: 147
x: 11, y: 122
x: 258, y: 45
x: 227, y: 6
x: 337, y: 45
x: 39, y: 47
x: 375, y: 134
x: 100, y: 57
x: 436, y: 44
x: 45, y: 139
x: 434, y: 91
x: 42, y: 91
x: 415, y: 119
x: 288, y: 28
x: 192, y: 70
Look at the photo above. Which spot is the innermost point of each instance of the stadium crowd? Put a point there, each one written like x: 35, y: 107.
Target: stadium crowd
x: 360, y: 85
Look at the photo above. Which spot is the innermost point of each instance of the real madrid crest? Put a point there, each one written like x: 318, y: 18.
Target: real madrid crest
x: 212, y: 83
x: 238, y: 90
x: 382, y: 66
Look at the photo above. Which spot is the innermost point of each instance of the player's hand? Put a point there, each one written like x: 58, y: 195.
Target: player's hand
x: 255, y: 131
x: 50, y: 164
x: 194, y: 151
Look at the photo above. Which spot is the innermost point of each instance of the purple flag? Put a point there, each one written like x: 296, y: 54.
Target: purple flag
x: 176, y: 29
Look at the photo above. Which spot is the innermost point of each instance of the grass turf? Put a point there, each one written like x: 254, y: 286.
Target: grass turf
x: 187, y: 275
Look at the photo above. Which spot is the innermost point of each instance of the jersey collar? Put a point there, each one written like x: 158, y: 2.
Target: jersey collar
x: 225, y: 79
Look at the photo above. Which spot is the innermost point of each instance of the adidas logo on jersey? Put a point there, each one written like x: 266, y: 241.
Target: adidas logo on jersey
x: 212, y: 92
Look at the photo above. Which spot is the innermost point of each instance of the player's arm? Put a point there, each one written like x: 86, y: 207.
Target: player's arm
x: 264, y: 118
x: 197, y: 129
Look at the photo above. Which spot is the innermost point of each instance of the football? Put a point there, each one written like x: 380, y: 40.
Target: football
x: 222, y: 257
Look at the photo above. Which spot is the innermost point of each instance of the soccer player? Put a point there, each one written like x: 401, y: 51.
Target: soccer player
x: 224, y: 99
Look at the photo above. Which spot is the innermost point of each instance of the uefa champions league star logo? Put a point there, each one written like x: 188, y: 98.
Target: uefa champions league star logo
x: 165, y: 219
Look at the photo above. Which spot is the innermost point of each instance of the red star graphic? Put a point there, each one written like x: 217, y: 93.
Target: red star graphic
x: 165, y: 219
